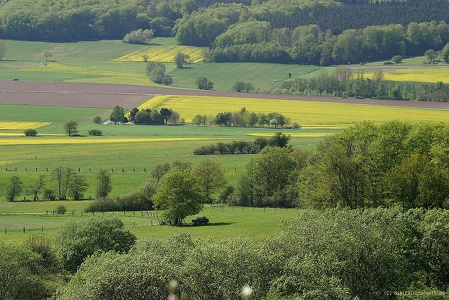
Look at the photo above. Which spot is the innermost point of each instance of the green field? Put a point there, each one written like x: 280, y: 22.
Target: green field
x: 94, y: 62
x: 225, y: 221
x: 129, y: 153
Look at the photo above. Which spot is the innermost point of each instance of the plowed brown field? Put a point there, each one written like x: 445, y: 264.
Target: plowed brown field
x: 129, y: 96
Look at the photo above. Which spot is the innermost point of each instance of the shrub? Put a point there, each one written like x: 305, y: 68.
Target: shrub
x: 204, y: 84
x: 95, y: 132
x: 103, y: 204
x: 296, y: 125
x: 30, y: 132
x: 60, y: 210
x: 49, y: 194
x: 77, y: 240
x: 396, y: 59
x: 42, y: 245
x: 97, y: 120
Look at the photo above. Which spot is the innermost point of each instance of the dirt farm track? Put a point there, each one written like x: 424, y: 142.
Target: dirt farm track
x: 129, y: 96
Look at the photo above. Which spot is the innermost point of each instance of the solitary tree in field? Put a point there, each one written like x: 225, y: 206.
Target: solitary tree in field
x: 2, y: 49
x: 13, y: 188
x: 47, y: 54
x: 179, y: 195
x: 104, y: 186
x: 204, y: 84
x: 70, y: 127
x: 181, y: 59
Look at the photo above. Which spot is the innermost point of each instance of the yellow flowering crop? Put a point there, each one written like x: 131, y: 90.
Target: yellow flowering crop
x: 87, y: 140
x: 295, y: 134
x: 165, y: 53
x: 425, y: 74
x: 22, y: 125
x: 305, y: 113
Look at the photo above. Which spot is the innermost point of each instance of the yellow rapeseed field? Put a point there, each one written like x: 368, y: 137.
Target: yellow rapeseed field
x: 428, y: 75
x: 88, y: 140
x: 164, y: 53
x: 305, y: 113
x: 22, y: 125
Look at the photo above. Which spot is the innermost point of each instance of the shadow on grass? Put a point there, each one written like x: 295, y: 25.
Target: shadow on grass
x: 211, y: 224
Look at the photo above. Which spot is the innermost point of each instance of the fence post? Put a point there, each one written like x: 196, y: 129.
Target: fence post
x: 6, y: 230
x: 23, y: 229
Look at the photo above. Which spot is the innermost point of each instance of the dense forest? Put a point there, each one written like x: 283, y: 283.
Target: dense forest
x: 305, y: 32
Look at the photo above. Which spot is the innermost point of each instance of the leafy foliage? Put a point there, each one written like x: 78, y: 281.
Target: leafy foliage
x: 156, y: 71
x: 70, y: 127
x: 330, y: 254
x: 371, y: 165
x: 13, y: 188
x: 21, y: 275
x: 79, y: 239
x: 179, y: 195
x: 30, y: 132
x: 139, y: 36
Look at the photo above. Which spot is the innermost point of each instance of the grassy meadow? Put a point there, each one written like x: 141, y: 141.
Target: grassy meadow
x: 129, y: 153
x: 225, y: 221
x: 120, y: 63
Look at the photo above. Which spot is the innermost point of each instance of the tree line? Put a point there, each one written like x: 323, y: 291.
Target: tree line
x: 145, y: 116
x: 244, y: 147
x: 177, y: 189
x: 66, y: 183
x: 367, y: 165
x: 107, y: 19
x: 342, y: 82
x: 343, y: 254
x: 243, y: 118
x: 259, y: 41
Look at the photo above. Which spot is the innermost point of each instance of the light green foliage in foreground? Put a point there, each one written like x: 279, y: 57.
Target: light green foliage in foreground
x: 333, y: 254
x: 78, y: 240
x: 21, y: 275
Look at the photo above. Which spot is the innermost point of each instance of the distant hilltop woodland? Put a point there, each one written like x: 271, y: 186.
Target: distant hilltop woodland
x: 321, y: 32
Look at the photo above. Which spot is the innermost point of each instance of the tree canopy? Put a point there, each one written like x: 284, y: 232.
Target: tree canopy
x: 179, y: 195
x: 79, y: 239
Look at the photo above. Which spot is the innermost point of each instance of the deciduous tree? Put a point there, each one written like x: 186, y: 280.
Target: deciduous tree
x: 13, y: 188
x: 36, y: 187
x: 181, y: 59
x: 2, y: 49
x: 77, y: 186
x: 79, y: 239
x: 211, y: 178
x: 104, y: 185
x: 118, y: 114
x: 179, y: 195
x: 63, y: 177
x: 70, y: 127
